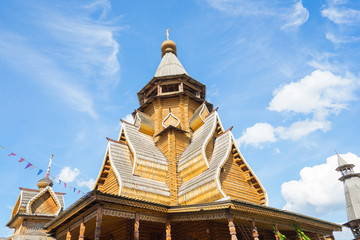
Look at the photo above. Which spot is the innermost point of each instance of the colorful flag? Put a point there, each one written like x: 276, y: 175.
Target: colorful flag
x: 32, y: 167
x: 74, y: 189
x: 78, y: 191
x: 59, y: 181
x: 21, y: 160
x: 12, y: 154
x: 2, y: 147
x: 40, y: 171
x: 28, y: 165
x: 65, y: 185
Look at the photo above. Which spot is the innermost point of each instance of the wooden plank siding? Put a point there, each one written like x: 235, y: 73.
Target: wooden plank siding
x: 45, y: 204
x: 234, y: 183
x: 111, y: 184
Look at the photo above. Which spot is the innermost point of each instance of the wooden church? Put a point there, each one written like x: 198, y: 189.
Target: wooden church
x: 34, y: 208
x: 176, y: 173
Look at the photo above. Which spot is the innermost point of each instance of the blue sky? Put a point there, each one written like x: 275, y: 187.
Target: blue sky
x: 285, y: 74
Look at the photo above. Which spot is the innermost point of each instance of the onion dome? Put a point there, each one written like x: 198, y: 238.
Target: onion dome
x: 168, y: 46
x: 43, y: 183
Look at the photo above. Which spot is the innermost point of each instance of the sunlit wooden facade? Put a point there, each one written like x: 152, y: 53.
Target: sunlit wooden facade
x: 177, y: 173
x: 33, y: 209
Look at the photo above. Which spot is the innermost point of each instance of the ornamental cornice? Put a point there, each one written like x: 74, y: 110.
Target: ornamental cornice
x: 198, y: 216
x: 132, y: 203
x: 121, y: 214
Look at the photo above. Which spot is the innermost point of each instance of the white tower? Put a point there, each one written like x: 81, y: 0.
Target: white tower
x: 351, y: 182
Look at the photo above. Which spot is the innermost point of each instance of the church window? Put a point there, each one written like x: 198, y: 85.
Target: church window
x: 170, y: 88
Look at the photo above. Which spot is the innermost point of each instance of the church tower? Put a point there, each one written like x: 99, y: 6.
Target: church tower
x: 351, y: 182
x: 177, y: 151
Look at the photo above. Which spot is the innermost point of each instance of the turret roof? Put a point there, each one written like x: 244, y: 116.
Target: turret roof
x: 169, y: 66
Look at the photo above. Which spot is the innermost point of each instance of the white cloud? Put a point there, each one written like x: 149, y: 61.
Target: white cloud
x: 346, y: 234
x: 72, y: 52
x: 85, y: 43
x: 340, y: 39
x: 58, y: 83
x: 341, y: 15
x: 242, y: 7
x: 297, y: 16
x: 89, y: 184
x: 301, y: 129
x: 318, y: 191
x: 258, y: 134
x: 128, y: 118
x: 319, y: 93
x: 68, y: 175
x: 294, y: 15
x: 324, y: 61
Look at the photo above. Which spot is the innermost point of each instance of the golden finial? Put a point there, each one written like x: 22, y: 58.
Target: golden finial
x: 167, y: 33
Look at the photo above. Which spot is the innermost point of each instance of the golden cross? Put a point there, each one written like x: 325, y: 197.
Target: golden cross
x: 167, y: 33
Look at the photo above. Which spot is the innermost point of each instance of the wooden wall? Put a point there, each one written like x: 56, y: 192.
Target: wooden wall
x: 234, y: 183
x: 111, y: 184
x: 45, y: 204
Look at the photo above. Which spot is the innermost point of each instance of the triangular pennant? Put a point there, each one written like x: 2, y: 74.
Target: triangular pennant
x: 59, y: 181
x: 74, y: 189
x: 39, y: 172
x: 78, y: 191
x: 12, y: 154
x: 65, y: 185
x: 32, y: 167
x: 21, y: 160
x: 28, y: 165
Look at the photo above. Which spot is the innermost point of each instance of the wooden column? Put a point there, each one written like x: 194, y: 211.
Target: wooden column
x: 68, y: 234
x: 231, y: 225
x: 168, y: 230
x: 136, y: 226
x: 254, y: 231
x: 82, y: 230
x: 98, y: 222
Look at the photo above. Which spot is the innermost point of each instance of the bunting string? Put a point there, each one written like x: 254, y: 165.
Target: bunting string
x: 30, y: 166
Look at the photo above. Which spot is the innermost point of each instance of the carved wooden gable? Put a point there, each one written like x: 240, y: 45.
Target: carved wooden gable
x: 46, y: 202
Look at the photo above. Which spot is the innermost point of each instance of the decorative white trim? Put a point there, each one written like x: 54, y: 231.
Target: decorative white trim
x: 49, y: 189
x: 201, y: 111
x: 252, y: 172
x: 137, y: 117
x: 123, y: 128
x: 223, y: 161
x: 115, y: 170
x: 203, y: 150
x: 170, y: 113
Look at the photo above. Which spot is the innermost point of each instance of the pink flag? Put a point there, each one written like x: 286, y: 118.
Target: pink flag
x: 28, y: 165
x: 21, y: 160
x: 78, y: 191
x: 12, y: 154
x: 65, y: 185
